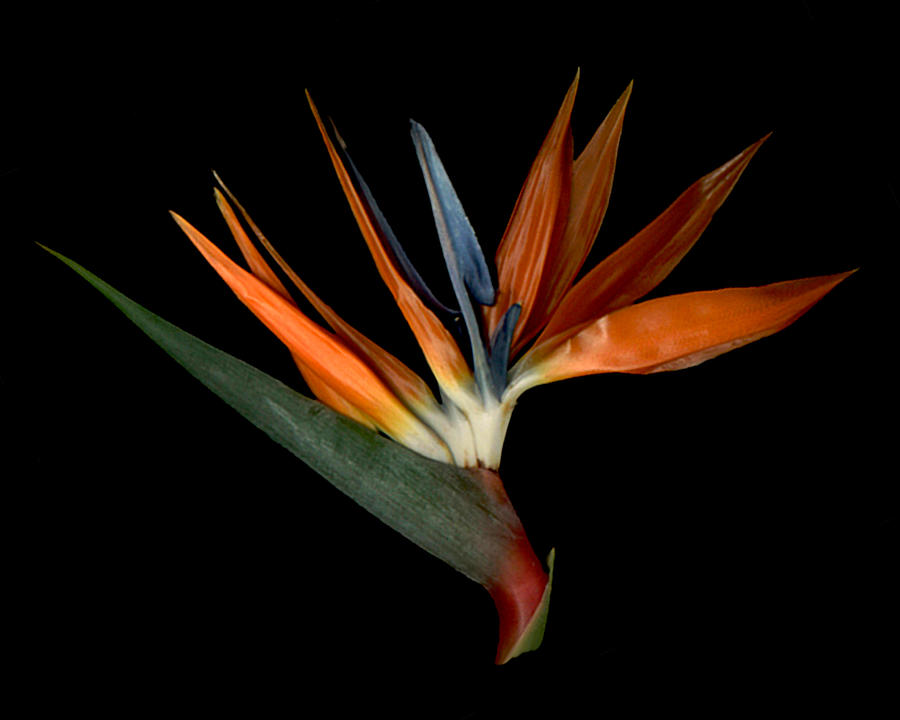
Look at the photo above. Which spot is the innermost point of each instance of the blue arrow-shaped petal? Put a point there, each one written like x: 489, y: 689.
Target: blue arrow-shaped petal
x: 465, y: 262
x: 461, y: 249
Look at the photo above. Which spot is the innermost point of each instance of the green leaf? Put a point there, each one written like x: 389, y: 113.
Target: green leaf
x: 442, y: 508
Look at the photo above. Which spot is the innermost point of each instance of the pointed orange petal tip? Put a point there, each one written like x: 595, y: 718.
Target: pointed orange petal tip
x: 258, y: 266
x: 182, y: 223
x: 537, y: 223
x: 592, y: 179
x: 624, y: 97
x: 569, y: 100
x: 739, y: 162
x: 679, y: 331
x: 643, y: 262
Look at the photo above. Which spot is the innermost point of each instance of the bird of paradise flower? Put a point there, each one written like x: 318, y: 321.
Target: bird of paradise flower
x: 539, y: 324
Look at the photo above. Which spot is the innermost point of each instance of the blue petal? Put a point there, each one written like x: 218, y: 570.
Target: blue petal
x: 404, y: 265
x: 465, y: 263
x: 500, y: 344
x: 462, y: 250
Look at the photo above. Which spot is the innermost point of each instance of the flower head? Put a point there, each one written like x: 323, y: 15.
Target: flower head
x: 539, y: 324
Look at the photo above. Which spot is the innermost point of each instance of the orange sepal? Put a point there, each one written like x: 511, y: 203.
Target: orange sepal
x: 644, y: 261
x: 535, y: 227
x: 405, y: 383
x: 674, y: 332
x: 323, y: 354
x: 592, y: 177
x: 260, y: 268
x: 440, y: 349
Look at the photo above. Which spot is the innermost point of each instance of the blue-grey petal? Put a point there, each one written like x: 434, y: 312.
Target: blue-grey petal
x: 464, y: 250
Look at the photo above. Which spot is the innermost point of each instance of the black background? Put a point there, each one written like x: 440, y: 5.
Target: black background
x: 722, y: 533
